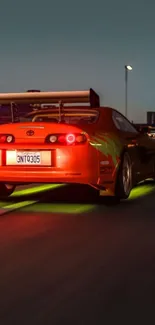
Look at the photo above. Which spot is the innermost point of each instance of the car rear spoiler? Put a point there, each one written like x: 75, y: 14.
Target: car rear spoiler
x: 34, y: 98
x: 69, y: 97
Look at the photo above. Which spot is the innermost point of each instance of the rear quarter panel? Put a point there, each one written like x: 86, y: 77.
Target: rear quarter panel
x: 106, y: 142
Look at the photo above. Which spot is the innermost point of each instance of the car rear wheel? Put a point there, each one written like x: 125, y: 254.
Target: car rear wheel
x: 6, y: 189
x: 124, y: 181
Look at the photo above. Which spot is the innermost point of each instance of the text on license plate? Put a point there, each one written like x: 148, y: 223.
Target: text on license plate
x: 42, y: 157
x: 28, y: 158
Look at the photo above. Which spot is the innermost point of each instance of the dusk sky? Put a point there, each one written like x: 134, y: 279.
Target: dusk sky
x: 75, y: 45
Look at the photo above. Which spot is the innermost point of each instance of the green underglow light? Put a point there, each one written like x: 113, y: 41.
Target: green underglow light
x: 14, y: 206
x: 36, y: 189
x: 63, y: 208
x: 2, y: 204
x: 141, y: 191
x: 18, y: 205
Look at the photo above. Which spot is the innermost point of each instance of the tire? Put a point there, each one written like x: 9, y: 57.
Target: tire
x: 124, y: 183
x: 6, y: 190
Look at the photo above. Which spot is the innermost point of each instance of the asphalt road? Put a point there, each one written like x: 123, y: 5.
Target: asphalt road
x: 79, y: 263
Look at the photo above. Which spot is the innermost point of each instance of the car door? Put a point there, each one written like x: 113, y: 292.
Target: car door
x: 136, y: 143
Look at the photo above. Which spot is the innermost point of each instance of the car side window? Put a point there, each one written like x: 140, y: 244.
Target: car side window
x: 122, y: 123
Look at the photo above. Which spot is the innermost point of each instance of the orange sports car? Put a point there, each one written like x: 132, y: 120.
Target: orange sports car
x: 69, y: 138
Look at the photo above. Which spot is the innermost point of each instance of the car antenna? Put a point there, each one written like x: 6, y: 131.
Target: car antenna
x: 60, y: 110
x: 14, y: 112
x: 12, y: 115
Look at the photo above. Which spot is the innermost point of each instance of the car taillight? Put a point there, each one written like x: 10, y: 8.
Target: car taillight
x: 66, y: 139
x: 70, y: 138
x: 6, y: 138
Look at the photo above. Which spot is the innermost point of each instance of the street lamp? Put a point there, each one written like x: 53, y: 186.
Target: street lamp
x: 127, y: 68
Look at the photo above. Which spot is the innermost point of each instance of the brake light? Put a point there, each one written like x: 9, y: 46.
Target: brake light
x: 6, y: 138
x: 70, y: 138
x: 66, y: 139
x: 2, y: 138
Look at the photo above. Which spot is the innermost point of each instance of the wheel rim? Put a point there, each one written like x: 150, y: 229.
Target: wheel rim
x: 126, y: 173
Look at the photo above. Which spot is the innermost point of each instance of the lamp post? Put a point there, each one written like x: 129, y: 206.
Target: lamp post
x: 127, y: 69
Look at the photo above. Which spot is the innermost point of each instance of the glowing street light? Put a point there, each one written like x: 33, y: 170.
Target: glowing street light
x: 127, y: 69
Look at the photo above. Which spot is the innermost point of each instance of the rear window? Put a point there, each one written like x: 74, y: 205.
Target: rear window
x: 68, y: 117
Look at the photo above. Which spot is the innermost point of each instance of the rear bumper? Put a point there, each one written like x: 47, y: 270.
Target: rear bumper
x: 68, y: 165
x: 46, y: 175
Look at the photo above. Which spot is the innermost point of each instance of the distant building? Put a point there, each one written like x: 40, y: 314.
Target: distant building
x: 33, y: 91
x: 151, y: 118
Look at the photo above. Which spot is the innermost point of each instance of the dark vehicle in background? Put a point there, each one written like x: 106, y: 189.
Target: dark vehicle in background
x: 146, y: 129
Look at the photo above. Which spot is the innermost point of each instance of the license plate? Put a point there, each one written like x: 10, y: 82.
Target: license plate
x: 28, y: 158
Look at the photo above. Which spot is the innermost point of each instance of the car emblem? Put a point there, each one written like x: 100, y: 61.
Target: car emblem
x: 30, y: 132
